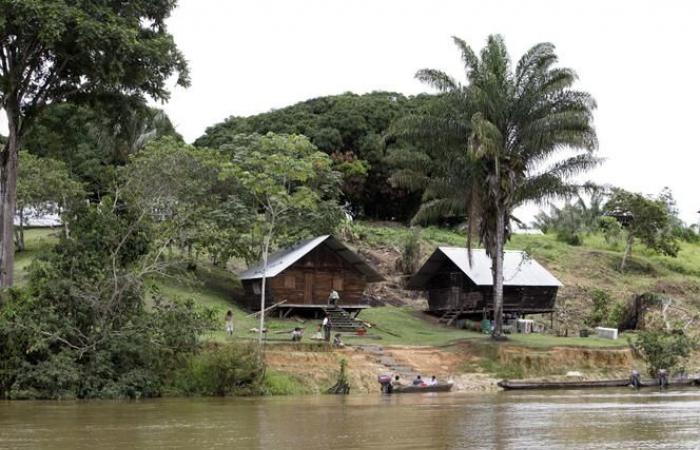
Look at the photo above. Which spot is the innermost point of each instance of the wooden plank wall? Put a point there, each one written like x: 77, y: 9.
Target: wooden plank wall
x: 324, y: 270
x: 441, y: 293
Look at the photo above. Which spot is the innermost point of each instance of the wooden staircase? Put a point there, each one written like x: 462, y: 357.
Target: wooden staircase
x: 450, y: 316
x: 341, y: 320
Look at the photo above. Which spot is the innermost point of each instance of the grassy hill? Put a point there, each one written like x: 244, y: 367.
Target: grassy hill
x: 584, y: 269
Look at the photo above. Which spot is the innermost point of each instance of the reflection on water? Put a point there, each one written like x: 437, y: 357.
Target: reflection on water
x: 566, y: 420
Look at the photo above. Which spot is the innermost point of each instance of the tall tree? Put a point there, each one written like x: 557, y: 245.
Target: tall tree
x: 292, y: 187
x: 494, y: 144
x: 53, y: 50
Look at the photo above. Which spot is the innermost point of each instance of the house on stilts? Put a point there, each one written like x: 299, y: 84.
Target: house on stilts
x: 303, y: 276
x: 457, y: 288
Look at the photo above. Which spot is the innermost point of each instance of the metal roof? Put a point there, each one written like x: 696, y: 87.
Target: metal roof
x: 518, y: 268
x: 282, y: 259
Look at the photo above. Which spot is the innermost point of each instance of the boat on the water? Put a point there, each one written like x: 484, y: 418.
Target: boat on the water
x: 442, y: 387
x: 523, y: 385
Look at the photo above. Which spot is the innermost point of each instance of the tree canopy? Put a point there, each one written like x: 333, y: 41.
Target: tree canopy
x: 352, y: 130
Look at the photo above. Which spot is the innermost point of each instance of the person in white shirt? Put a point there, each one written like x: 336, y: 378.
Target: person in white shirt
x: 327, y: 328
x: 433, y: 381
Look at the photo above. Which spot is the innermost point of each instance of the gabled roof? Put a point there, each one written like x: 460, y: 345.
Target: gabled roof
x: 518, y: 268
x: 282, y: 259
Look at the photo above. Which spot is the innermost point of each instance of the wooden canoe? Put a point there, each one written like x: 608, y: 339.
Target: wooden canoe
x: 444, y: 387
x: 523, y: 385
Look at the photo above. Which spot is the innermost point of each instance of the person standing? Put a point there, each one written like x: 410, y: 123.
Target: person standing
x: 327, y: 326
x: 229, y: 323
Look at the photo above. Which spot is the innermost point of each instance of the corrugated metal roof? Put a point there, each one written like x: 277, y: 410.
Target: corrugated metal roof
x: 279, y: 261
x: 518, y: 268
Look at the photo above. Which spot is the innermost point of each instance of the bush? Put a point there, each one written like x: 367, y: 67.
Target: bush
x: 231, y: 369
x: 663, y: 350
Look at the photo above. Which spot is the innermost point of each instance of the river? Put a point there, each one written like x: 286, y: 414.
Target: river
x: 615, y: 419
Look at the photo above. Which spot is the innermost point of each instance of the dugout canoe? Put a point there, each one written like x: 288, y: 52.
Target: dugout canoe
x: 531, y: 385
x: 442, y: 387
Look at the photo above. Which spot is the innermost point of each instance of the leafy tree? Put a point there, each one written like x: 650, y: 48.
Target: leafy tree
x: 292, y: 186
x: 644, y: 219
x: 54, y: 50
x: 43, y: 187
x: 198, y: 211
x: 491, y: 141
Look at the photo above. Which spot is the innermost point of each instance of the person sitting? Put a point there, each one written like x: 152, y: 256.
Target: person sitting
x: 296, y: 334
x: 433, y: 381
x: 337, y: 342
x: 318, y: 335
x: 418, y: 381
x: 397, y: 381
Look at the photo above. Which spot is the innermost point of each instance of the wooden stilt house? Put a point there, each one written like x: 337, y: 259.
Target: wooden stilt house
x: 455, y: 285
x: 305, y: 274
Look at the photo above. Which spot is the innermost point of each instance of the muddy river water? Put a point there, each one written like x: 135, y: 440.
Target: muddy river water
x: 616, y: 419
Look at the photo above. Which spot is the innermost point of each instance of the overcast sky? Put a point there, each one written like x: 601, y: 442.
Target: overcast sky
x: 639, y: 59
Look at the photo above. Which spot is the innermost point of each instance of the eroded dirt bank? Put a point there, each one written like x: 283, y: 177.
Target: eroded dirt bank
x: 472, y: 367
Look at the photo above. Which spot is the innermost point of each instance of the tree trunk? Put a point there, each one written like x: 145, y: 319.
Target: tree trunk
x: 628, y: 251
x: 19, y: 231
x: 8, y: 200
x: 497, y: 265
x: 266, y: 249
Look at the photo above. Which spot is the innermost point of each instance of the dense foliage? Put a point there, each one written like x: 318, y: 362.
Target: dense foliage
x: 351, y: 129
x: 93, y: 140
x: 83, y: 328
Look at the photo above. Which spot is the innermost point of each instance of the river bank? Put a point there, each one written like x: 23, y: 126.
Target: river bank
x: 472, y: 366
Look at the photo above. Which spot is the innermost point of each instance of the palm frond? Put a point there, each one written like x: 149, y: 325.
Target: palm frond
x: 437, y: 79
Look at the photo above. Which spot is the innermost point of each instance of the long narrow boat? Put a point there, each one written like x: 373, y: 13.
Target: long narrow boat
x: 444, y: 387
x: 523, y: 385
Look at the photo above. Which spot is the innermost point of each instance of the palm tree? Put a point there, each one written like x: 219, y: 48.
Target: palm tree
x: 493, y: 143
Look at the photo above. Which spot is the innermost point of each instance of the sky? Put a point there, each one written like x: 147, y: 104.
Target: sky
x: 639, y: 59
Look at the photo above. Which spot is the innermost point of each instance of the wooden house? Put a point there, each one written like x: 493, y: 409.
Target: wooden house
x: 304, y: 275
x: 453, y: 284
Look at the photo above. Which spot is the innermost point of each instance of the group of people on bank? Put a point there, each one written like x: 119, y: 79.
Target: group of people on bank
x: 322, y: 334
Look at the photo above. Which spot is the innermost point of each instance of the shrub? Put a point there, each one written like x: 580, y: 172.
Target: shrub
x: 231, y: 369
x: 663, y: 349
